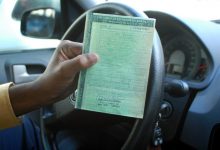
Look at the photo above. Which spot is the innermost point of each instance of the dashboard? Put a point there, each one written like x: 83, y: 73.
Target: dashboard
x: 186, y: 58
x: 191, y: 51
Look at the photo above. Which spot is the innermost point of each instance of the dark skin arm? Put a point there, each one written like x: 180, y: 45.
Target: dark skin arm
x: 56, y: 83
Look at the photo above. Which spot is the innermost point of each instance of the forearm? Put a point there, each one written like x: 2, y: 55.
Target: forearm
x: 26, y: 97
x: 56, y: 83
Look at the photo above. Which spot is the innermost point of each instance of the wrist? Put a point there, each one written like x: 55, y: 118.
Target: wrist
x: 7, y: 115
x: 25, y: 97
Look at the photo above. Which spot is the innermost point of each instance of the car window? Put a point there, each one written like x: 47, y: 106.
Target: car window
x: 11, y: 38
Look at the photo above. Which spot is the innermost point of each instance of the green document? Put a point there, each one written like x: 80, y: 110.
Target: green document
x: 117, y: 84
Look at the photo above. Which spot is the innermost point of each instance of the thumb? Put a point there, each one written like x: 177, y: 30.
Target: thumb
x: 82, y: 62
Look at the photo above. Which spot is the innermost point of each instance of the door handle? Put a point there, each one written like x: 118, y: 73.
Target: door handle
x: 21, y: 75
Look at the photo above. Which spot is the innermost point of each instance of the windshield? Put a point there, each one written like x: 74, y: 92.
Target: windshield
x: 10, y: 27
x: 201, y: 9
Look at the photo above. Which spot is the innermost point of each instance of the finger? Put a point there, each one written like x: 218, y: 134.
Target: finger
x: 81, y: 62
x: 68, y: 49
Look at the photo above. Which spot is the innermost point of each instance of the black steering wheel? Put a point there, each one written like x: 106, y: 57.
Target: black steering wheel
x: 142, y: 130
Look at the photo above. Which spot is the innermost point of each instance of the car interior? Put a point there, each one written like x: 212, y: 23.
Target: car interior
x: 182, y: 100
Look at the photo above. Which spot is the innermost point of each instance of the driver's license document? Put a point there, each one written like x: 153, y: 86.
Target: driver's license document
x: 117, y: 84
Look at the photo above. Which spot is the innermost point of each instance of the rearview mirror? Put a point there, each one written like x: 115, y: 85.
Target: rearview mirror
x: 39, y: 23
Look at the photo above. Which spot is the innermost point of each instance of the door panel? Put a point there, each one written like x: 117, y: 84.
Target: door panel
x: 20, y: 67
x: 24, y: 66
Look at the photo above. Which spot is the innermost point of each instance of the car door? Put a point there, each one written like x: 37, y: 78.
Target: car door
x: 22, y: 59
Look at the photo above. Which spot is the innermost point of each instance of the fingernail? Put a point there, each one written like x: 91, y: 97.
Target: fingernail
x: 93, y: 57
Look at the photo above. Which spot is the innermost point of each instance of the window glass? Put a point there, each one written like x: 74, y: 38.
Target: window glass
x: 201, y: 9
x: 11, y: 38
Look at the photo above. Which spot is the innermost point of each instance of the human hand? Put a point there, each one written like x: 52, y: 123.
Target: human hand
x: 58, y: 79
x: 56, y: 83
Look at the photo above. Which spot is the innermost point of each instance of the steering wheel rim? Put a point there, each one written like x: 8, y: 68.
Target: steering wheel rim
x: 142, y: 130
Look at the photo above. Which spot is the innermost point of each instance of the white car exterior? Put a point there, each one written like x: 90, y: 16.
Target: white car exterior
x: 11, y: 38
